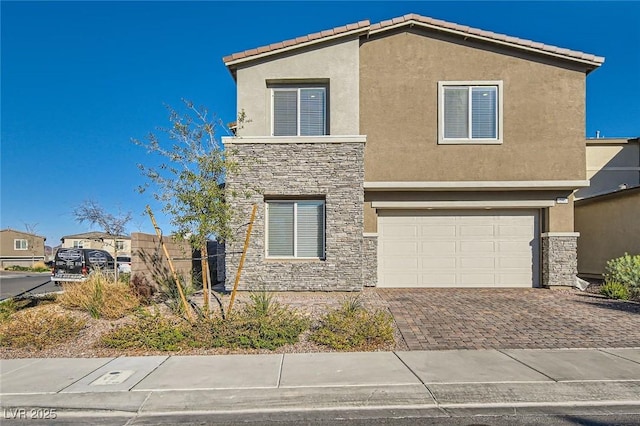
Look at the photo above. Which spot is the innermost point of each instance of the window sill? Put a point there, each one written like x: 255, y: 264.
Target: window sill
x: 470, y: 142
x: 294, y: 259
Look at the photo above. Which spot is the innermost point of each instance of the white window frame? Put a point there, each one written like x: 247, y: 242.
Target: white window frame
x: 471, y: 141
x: 295, y: 229
x: 78, y: 244
x: 297, y: 89
x: 20, y: 241
x: 120, y: 245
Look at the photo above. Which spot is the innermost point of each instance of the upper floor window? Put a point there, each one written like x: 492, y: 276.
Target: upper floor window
x: 20, y: 244
x: 299, y: 111
x: 470, y: 112
x: 78, y: 244
x: 119, y: 245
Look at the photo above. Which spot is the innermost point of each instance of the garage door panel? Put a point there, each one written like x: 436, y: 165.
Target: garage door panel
x: 477, y: 279
x: 477, y: 247
x: 476, y: 231
x: 436, y: 248
x: 478, y: 262
x: 394, y: 248
x: 464, y: 248
x: 433, y: 263
x: 434, y: 231
x: 435, y: 279
x: 513, y: 231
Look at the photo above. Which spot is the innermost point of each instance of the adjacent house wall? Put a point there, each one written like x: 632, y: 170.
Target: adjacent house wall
x: 609, y: 226
x: 544, y: 106
x: 611, y: 163
x: 335, y: 62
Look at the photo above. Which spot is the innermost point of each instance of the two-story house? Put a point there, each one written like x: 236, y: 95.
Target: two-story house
x: 408, y: 153
x: 20, y: 248
x: 99, y: 240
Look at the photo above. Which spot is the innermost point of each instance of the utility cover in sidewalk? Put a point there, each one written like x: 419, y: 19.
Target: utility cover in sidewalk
x: 113, y: 377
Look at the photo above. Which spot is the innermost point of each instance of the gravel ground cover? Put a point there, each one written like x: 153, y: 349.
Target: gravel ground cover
x: 311, y: 304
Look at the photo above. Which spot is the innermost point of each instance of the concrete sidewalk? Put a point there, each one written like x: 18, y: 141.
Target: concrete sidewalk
x: 442, y: 383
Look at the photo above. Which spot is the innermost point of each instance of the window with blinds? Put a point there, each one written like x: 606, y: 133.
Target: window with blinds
x: 470, y: 112
x: 295, y: 229
x: 299, y: 111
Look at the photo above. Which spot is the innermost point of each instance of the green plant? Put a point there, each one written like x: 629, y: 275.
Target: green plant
x: 262, y: 304
x: 148, y: 331
x: 101, y: 297
x: 352, y: 327
x: 7, y: 308
x: 124, y: 277
x: 39, y: 328
x: 169, y: 291
x: 625, y: 270
x: 615, y: 290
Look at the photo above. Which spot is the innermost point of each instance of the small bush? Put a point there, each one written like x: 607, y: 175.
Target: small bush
x: 40, y: 267
x: 7, y: 308
x: 141, y: 287
x: 154, y: 332
x: 124, y: 277
x: 261, y: 324
x: 615, y: 290
x: 625, y: 270
x: 352, y: 327
x: 17, y: 268
x: 171, y: 295
x: 100, y: 297
x: 39, y: 328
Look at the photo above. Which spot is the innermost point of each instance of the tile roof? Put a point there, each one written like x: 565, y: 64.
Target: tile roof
x: 343, y: 30
x: 409, y: 19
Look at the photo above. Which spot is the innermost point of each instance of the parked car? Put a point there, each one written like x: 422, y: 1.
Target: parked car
x: 124, y: 264
x: 72, y: 264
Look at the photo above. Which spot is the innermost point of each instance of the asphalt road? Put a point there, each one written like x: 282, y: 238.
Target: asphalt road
x: 14, y: 283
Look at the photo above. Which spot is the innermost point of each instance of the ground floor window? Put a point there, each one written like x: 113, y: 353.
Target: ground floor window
x: 295, y: 228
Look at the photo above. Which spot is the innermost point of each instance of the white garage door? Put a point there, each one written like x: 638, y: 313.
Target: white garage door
x: 461, y: 248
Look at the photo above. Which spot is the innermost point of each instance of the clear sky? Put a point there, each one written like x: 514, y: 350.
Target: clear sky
x: 79, y: 80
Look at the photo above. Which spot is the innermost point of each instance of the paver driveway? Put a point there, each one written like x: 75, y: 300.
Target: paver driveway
x: 511, y: 318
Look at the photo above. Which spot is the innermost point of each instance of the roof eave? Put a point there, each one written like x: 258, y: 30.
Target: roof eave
x: 232, y: 64
x: 591, y: 64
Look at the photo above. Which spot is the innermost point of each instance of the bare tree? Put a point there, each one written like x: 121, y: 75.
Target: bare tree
x: 31, y: 240
x: 113, y: 225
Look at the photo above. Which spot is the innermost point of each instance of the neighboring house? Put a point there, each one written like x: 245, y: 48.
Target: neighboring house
x: 409, y: 153
x: 612, y: 164
x: 607, y: 214
x: 98, y: 240
x: 20, y: 248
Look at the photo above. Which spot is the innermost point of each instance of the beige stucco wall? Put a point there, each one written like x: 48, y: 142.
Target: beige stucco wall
x: 558, y: 218
x: 609, y: 226
x: 106, y: 244
x: 544, y: 112
x: 336, y: 62
x: 610, y: 163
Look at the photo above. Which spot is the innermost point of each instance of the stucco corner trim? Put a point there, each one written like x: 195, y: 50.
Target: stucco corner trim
x: 560, y: 234
x: 229, y: 140
x: 476, y: 185
x: 481, y: 204
x: 369, y: 234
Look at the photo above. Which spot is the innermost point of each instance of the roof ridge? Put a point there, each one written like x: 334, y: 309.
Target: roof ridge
x: 408, y: 19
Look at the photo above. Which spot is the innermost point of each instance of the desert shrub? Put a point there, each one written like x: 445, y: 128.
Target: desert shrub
x: 17, y: 268
x: 261, y: 324
x: 38, y: 328
x: 40, y: 267
x: 124, y: 277
x: 142, y: 288
x: 352, y: 327
x: 101, y: 297
x: 625, y: 270
x: 615, y: 290
x: 169, y: 291
x: 150, y: 331
x: 7, y: 308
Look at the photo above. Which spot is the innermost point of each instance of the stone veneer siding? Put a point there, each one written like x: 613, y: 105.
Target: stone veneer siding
x: 330, y: 171
x: 370, y: 264
x: 559, y: 260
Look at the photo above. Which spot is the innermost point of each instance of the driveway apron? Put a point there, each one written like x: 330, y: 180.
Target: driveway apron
x: 511, y: 319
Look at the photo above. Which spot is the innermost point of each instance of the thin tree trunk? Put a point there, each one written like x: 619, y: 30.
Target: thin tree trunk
x: 204, y: 259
